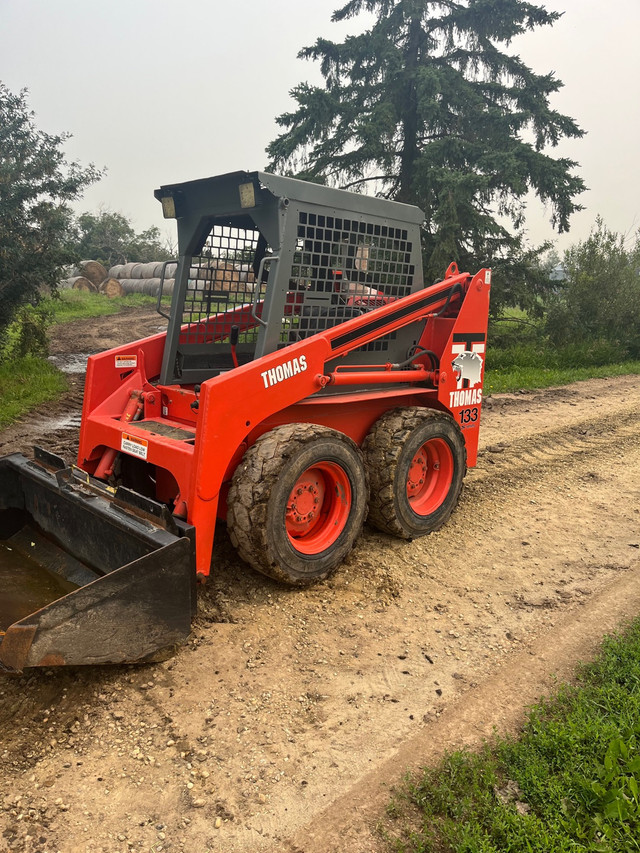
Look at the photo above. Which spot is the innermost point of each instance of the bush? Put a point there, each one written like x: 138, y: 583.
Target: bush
x: 27, y: 335
x: 599, y: 301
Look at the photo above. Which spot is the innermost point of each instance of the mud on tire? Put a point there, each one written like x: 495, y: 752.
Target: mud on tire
x: 297, y: 502
x: 416, y: 459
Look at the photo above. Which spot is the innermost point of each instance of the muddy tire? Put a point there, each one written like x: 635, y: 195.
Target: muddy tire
x: 416, y: 459
x: 297, y: 502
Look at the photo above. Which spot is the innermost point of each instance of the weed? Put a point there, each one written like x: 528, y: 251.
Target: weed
x: 571, y: 782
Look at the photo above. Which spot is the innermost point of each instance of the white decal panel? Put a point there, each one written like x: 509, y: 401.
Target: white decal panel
x: 135, y: 446
x: 468, y: 365
x: 124, y: 362
x: 467, y: 362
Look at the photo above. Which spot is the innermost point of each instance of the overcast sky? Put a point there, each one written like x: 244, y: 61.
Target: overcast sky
x: 161, y: 92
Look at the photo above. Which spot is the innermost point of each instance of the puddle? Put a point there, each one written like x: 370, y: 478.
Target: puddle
x: 25, y: 586
x: 70, y: 362
x: 70, y: 421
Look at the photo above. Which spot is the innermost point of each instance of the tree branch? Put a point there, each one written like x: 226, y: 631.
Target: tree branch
x: 363, y: 180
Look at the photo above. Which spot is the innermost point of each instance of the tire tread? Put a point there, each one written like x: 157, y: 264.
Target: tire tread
x: 252, y: 484
x: 382, y: 448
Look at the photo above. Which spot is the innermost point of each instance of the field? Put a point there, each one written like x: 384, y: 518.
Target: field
x: 284, y: 722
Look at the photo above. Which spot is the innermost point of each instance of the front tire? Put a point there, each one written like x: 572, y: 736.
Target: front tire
x: 416, y: 459
x: 297, y: 502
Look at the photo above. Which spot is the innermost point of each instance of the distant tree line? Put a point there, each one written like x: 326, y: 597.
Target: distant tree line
x: 109, y: 237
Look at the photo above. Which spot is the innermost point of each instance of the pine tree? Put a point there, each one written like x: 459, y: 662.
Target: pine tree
x: 425, y: 107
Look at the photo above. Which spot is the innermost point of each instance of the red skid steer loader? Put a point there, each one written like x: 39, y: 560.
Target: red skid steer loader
x: 307, y: 377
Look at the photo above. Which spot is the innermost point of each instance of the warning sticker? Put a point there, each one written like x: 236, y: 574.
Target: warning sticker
x: 135, y: 446
x: 123, y: 361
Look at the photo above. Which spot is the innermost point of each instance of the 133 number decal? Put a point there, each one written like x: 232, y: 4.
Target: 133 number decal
x: 468, y: 416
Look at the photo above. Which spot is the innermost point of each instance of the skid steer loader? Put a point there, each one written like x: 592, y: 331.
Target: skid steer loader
x: 307, y: 378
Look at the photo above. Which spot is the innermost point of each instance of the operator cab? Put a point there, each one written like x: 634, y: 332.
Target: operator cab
x: 266, y: 261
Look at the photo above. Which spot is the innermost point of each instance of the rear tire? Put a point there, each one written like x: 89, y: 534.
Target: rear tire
x: 297, y: 502
x: 416, y: 459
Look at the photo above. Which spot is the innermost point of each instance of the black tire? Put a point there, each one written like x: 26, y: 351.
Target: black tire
x: 298, y: 538
x: 400, y: 443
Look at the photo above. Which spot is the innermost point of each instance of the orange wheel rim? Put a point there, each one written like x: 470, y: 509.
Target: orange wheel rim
x: 318, y: 508
x: 430, y: 476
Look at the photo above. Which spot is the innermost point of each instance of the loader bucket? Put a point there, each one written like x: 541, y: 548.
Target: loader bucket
x: 88, y: 574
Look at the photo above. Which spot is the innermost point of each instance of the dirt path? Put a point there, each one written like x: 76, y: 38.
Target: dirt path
x: 281, y: 724
x: 54, y: 426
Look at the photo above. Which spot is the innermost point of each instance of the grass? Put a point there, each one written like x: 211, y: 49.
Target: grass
x: 29, y: 381
x: 26, y: 383
x: 78, y: 304
x: 571, y: 782
x: 520, y: 356
x: 528, y: 378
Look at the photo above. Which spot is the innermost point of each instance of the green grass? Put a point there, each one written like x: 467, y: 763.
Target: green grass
x: 78, y: 304
x: 520, y: 356
x: 528, y: 378
x: 29, y: 381
x: 571, y: 782
x: 26, y: 383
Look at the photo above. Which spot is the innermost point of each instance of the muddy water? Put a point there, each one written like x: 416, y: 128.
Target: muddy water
x: 55, y: 424
x: 75, y: 362
x: 25, y: 586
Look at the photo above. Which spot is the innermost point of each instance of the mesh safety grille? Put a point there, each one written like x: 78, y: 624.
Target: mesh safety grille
x: 221, y: 281
x: 342, y: 268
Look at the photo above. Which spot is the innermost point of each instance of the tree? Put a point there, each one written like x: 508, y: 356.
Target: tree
x: 427, y: 109
x: 109, y: 237
x: 36, y: 186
